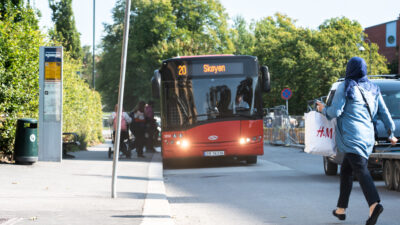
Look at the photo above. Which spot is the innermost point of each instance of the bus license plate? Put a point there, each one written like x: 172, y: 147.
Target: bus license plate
x: 214, y: 153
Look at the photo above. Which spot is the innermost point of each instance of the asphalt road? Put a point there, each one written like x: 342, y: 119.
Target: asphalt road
x: 286, y: 186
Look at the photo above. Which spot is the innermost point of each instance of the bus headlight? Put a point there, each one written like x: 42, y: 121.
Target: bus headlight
x: 247, y: 140
x: 183, y: 143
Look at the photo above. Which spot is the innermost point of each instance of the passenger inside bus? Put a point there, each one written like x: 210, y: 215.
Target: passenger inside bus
x: 240, y: 103
x: 243, y: 95
x: 223, y: 102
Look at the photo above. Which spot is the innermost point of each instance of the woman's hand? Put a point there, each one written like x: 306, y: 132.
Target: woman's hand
x: 393, y: 140
x: 320, y: 106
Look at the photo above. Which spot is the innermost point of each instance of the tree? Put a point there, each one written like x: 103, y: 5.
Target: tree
x: 64, y: 29
x: 308, y: 61
x: 159, y: 29
x: 7, y: 5
x: 242, y: 36
x: 87, y: 64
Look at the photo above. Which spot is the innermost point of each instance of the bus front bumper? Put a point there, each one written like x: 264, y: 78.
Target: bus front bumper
x: 213, y: 150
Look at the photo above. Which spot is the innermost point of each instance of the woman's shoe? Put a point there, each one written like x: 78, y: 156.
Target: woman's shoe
x: 375, y: 214
x: 339, y: 216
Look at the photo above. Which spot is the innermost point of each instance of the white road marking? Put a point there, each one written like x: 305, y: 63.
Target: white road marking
x: 156, y: 211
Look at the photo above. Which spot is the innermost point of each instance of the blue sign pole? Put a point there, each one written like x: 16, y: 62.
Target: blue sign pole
x: 287, y: 107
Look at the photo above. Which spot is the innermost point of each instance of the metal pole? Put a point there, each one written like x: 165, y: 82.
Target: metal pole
x: 94, y: 32
x: 287, y: 107
x: 370, y: 58
x: 120, y: 97
x: 287, y: 125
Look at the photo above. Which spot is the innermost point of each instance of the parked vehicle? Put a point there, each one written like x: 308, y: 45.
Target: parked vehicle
x: 390, y: 90
x: 390, y: 162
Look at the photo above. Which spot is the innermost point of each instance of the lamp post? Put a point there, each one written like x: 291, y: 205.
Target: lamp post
x: 94, y: 27
x: 370, y: 58
x: 361, y: 48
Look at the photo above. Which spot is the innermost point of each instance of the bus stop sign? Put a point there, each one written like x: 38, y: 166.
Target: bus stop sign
x: 286, y: 93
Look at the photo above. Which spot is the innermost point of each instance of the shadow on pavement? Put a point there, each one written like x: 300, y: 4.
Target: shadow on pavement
x: 119, y: 177
x: 193, y: 163
x: 140, y: 195
x: 102, y: 155
x: 142, y: 216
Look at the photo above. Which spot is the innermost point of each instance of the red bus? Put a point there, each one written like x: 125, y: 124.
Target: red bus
x: 211, y: 106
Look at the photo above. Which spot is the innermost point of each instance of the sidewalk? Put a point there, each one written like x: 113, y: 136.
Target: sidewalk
x: 78, y: 191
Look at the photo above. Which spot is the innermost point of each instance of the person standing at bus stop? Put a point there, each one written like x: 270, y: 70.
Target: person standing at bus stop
x: 139, y: 127
x: 356, y: 103
x: 125, y: 121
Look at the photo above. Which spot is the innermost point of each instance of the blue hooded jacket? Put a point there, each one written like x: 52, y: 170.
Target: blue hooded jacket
x: 354, y: 129
x: 356, y: 74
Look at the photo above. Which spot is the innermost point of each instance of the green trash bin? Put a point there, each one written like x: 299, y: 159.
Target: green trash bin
x: 26, y: 145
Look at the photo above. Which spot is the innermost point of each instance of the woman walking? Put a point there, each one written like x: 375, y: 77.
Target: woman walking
x: 356, y: 103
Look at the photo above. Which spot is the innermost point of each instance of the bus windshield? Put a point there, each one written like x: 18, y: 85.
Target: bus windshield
x: 201, y: 98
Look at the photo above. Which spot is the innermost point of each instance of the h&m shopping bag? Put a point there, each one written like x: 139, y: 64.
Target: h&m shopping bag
x: 319, y: 134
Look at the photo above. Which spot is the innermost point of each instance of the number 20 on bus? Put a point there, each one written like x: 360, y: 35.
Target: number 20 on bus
x: 182, y: 71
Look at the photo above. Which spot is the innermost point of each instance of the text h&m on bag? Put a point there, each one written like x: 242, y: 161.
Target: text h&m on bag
x: 325, y: 132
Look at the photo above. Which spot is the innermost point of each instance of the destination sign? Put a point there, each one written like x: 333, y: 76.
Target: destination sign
x: 214, y: 68
x: 200, y: 69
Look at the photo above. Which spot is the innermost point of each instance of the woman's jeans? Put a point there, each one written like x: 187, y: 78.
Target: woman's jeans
x: 353, y: 163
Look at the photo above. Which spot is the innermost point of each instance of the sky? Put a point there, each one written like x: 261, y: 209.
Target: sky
x: 307, y: 13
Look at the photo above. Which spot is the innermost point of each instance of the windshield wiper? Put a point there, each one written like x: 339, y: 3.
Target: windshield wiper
x: 218, y: 116
x: 243, y: 115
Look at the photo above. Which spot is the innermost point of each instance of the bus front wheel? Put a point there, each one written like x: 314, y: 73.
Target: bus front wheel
x: 251, y: 160
x: 166, y: 163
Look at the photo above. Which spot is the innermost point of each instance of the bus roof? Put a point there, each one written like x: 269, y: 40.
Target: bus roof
x: 200, y: 57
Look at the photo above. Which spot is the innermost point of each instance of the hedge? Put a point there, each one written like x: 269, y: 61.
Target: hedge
x: 19, y: 58
x: 19, y: 83
x: 82, y: 110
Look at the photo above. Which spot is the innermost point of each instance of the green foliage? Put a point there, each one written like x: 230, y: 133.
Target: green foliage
x: 308, y: 61
x: 82, y: 111
x: 394, y: 67
x: 7, y: 5
x: 19, y: 87
x: 159, y: 29
x: 243, y: 37
x: 19, y: 59
x: 65, y: 30
x: 305, y: 60
x: 87, y: 64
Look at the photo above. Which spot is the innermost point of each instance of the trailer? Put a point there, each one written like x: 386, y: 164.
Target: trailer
x: 390, y: 162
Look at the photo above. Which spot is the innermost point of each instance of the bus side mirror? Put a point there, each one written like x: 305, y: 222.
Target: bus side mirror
x: 155, y: 84
x: 265, y: 79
